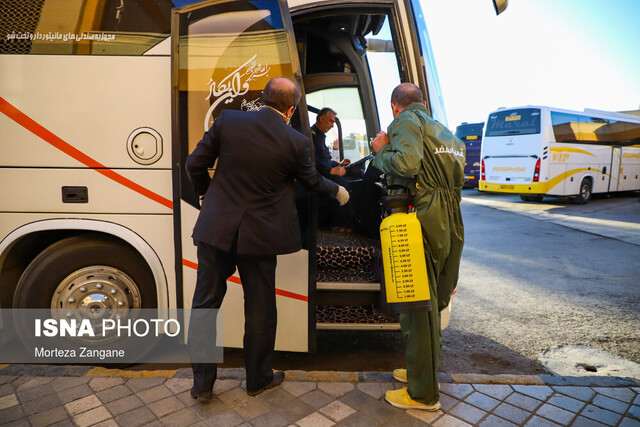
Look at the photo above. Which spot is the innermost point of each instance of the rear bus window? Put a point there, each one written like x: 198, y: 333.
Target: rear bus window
x: 514, y: 122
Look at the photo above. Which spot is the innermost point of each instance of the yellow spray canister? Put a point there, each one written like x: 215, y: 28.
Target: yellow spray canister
x: 405, y: 269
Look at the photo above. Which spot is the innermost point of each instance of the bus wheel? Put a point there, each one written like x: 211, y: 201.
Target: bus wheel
x: 80, y: 272
x: 86, y: 277
x: 585, y: 193
x: 526, y: 198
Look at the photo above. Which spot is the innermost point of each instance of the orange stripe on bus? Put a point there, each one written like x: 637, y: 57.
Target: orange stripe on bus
x: 235, y: 279
x: 32, y: 126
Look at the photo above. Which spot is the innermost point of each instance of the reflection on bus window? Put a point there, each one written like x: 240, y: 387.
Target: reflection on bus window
x: 228, y: 53
x: 594, y: 130
x: 107, y: 27
x: 383, y: 66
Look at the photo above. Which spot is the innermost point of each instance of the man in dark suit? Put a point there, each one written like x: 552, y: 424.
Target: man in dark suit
x: 248, y: 217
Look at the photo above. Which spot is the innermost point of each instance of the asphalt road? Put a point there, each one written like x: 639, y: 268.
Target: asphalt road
x: 534, y: 276
x: 539, y: 275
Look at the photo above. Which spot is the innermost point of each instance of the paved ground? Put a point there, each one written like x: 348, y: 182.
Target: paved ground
x: 76, y: 395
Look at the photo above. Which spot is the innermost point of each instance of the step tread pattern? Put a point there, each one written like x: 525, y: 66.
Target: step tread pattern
x: 345, y: 257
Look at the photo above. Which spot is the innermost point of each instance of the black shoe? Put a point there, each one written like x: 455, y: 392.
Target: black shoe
x: 278, y: 376
x: 204, y: 396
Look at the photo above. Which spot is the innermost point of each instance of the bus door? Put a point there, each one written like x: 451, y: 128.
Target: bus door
x: 223, y: 54
x: 615, y: 175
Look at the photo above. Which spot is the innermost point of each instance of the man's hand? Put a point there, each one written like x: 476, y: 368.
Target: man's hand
x: 345, y: 162
x: 343, y: 196
x: 338, y: 170
x: 379, y: 141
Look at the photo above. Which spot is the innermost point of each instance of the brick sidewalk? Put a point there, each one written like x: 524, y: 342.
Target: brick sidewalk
x: 33, y: 395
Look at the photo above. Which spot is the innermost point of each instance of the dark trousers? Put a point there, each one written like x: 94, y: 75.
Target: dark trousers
x: 330, y: 213
x: 258, y: 276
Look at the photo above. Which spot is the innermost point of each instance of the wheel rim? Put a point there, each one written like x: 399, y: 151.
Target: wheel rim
x: 96, y: 289
x: 96, y: 293
x: 585, y: 192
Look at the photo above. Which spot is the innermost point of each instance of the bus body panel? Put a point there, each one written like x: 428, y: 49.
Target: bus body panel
x: 92, y: 103
x: 292, y: 292
x: 578, y: 163
x: 630, y: 167
x: 105, y: 195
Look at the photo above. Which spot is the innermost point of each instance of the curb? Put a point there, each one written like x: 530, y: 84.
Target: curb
x: 319, y: 376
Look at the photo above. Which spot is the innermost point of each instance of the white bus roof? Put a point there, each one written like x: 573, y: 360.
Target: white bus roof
x: 587, y: 111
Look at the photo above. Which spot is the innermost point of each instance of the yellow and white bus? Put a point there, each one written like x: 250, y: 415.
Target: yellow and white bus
x: 102, y: 101
x: 538, y: 151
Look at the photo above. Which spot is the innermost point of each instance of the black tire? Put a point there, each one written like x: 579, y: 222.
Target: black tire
x: 38, y: 283
x: 585, y: 193
x: 527, y: 198
x: 89, y: 274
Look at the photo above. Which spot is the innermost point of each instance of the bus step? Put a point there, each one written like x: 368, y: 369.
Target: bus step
x: 337, y: 250
x: 353, y: 315
x: 348, y: 286
x: 346, y: 275
x: 357, y: 326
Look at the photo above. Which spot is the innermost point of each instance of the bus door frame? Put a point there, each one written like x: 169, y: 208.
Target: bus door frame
x: 186, y: 201
x: 616, y: 168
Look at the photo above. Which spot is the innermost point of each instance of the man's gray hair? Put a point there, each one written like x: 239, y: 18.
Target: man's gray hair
x: 325, y: 111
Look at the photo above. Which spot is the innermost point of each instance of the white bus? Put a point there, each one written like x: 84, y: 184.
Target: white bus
x: 102, y: 101
x: 537, y: 151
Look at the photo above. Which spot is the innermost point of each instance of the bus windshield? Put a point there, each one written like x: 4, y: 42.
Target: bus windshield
x: 524, y: 121
x: 470, y: 131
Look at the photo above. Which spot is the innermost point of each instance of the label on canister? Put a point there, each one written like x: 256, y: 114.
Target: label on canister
x: 405, y: 269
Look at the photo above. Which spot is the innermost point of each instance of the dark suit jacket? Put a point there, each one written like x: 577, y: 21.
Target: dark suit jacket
x: 251, y: 192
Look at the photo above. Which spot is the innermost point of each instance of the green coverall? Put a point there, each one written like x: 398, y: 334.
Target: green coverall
x: 425, y: 157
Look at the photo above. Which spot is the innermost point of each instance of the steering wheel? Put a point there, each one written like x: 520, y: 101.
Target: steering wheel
x: 355, y: 165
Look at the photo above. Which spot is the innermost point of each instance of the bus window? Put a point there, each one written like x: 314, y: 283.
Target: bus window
x: 434, y: 91
x: 349, y: 63
x: 525, y: 121
x: 565, y: 126
x: 346, y: 103
x: 383, y: 65
x: 110, y: 27
x: 593, y: 130
x: 630, y: 135
x: 227, y: 53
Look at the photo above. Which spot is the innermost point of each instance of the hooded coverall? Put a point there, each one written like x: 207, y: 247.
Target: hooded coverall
x: 426, y: 158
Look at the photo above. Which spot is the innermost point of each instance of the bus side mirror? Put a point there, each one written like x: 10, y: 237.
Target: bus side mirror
x: 500, y: 6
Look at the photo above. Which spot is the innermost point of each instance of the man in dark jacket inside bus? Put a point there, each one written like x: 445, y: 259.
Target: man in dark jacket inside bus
x: 248, y: 217
x: 423, y: 156
x: 329, y: 212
